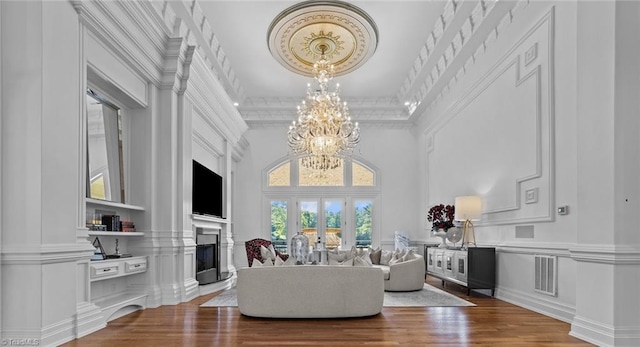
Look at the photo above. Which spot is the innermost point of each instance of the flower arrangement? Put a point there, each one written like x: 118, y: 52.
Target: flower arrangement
x: 441, y: 216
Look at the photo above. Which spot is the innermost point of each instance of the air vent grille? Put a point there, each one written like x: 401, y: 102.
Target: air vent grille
x: 545, y: 274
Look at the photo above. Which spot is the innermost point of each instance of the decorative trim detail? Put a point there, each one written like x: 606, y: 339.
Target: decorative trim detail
x: 544, y: 137
x: 46, y: 253
x: 435, y: 82
x: 196, y: 28
x: 606, y: 254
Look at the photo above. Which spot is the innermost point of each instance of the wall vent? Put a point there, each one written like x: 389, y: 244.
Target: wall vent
x: 545, y: 274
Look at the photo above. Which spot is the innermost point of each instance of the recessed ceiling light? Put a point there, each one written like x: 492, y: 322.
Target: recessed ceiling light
x: 236, y: 104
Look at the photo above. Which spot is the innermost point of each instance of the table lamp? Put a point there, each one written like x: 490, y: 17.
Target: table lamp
x: 468, y: 208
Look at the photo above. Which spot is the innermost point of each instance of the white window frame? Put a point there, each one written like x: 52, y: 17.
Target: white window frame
x: 348, y: 193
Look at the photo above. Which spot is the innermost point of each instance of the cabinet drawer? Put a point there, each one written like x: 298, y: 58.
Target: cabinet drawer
x: 104, y: 270
x: 135, y: 265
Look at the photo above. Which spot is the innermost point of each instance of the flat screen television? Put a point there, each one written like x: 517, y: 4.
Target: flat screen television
x: 207, y: 191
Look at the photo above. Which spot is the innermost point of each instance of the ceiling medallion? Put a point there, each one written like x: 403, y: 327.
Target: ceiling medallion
x: 300, y: 35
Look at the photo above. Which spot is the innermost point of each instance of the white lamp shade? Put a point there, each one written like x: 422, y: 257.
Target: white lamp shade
x: 468, y: 208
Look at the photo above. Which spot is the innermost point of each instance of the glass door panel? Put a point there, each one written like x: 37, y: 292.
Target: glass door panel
x: 333, y: 222
x: 279, y: 225
x: 363, y: 222
x: 309, y: 219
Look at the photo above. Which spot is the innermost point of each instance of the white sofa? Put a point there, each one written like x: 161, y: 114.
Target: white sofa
x: 404, y: 276
x: 310, y: 291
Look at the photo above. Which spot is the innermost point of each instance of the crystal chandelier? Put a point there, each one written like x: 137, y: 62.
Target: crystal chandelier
x: 324, y: 132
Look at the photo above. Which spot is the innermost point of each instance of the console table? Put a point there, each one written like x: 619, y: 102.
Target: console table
x: 474, y: 267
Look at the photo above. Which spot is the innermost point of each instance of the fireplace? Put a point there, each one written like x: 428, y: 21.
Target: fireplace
x: 207, y: 258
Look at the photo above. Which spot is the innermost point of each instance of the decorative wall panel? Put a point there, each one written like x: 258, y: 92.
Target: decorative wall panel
x: 497, y: 140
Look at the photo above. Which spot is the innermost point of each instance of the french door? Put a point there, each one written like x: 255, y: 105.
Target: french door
x: 322, y: 219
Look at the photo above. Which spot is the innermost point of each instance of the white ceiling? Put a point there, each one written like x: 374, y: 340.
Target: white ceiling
x: 268, y: 92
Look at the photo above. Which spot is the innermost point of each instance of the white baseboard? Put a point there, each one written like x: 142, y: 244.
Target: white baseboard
x: 604, y: 335
x: 89, y: 319
x: 191, y: 290
x: 539, y: 304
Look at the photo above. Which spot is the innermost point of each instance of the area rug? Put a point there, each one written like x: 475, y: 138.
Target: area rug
x: 428, y: 296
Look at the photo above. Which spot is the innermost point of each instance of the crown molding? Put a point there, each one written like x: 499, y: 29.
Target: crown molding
x: 195, y: 26
x: 471, y: 32
x: 283, y: 110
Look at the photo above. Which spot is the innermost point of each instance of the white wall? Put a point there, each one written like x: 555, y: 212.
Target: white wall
x: 492, y: 128
x: 507, y: 128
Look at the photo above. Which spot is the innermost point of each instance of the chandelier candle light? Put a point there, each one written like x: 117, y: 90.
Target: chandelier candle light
x: 324, y: 131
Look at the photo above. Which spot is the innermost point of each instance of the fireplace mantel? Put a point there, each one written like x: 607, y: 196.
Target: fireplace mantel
x: 207, y: 225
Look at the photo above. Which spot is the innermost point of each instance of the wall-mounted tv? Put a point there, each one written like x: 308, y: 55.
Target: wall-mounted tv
x: 208, y: 193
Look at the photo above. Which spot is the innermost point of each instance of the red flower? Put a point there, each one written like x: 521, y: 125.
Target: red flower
x: 441, y: 216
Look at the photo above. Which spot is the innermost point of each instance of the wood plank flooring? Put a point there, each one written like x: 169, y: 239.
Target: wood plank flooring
x: 491, y: 323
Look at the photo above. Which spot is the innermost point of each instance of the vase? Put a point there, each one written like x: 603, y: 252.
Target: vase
x: 442, y: 233
x: 300, y: 248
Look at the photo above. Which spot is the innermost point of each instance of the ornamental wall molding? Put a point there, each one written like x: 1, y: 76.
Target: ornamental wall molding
x: 437, y: 84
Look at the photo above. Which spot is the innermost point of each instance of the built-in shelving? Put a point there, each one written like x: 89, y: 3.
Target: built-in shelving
x: 115, y: 233
x: 113, y: 204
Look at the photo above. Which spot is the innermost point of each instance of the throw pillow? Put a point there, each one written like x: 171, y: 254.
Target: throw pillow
x: 278, y: 262
x: 267, y: 262
x: 362, y: 261
x: 395, y: 261
x: 336, y: 256
x: 375, y: 255
x: 365, y: 253
x: 385, y: 257
x: 408, y: 255
x: 256, y: 263
x: 345, y: 262
x: 268, y: 253
x: 289, y: 261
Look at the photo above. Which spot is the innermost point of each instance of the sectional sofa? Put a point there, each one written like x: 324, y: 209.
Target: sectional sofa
x: 310, y: 291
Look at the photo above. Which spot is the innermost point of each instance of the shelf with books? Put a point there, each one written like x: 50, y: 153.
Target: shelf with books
x: 107, y: 216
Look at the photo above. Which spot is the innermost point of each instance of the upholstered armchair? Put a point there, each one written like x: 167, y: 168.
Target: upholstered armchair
x: 253, y: 250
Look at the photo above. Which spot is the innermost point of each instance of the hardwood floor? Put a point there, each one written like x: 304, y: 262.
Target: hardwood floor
x: 492, y: 322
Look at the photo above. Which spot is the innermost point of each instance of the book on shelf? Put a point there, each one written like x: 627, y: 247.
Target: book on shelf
x: 112, y: 222
x: 127, y: 226
x: 118, y: 256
